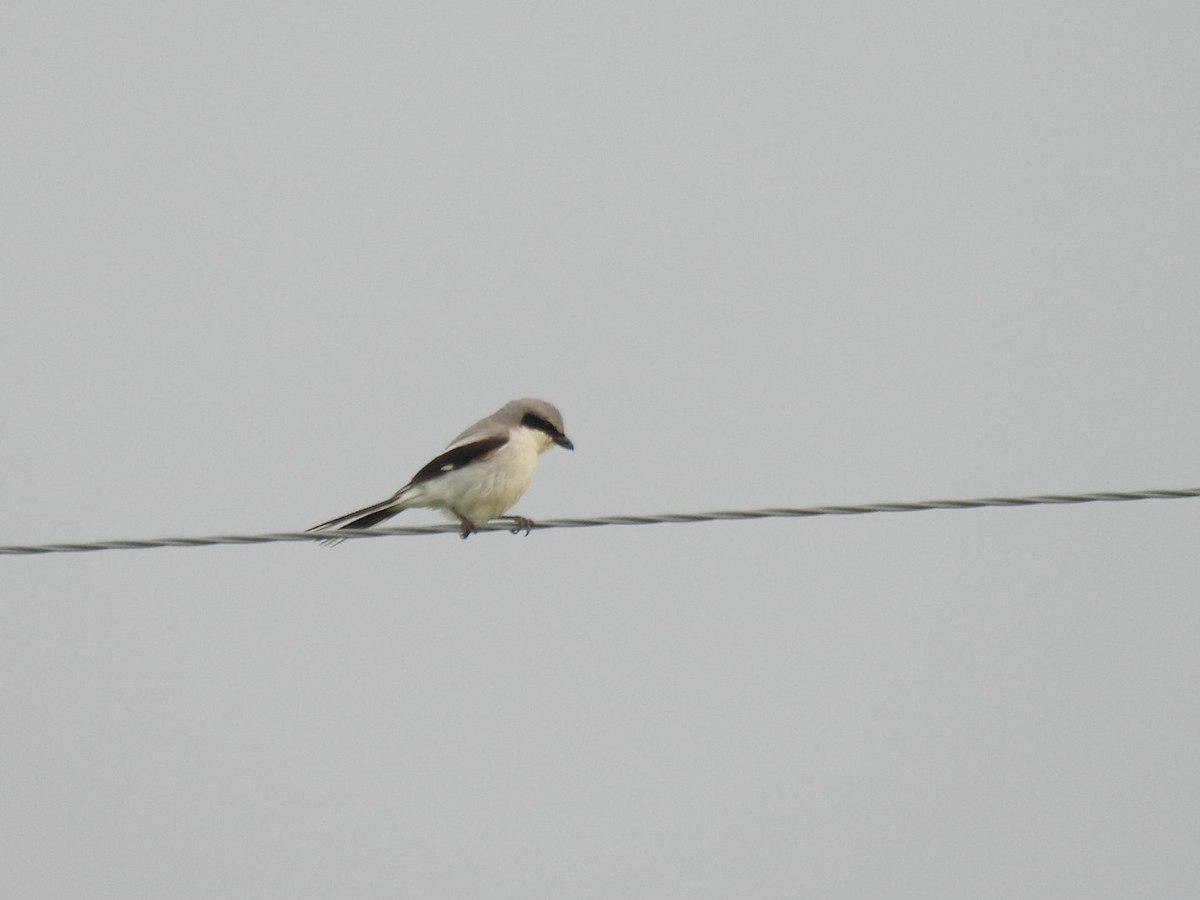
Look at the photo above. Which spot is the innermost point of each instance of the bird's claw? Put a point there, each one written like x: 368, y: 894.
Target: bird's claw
x: 520, y: 523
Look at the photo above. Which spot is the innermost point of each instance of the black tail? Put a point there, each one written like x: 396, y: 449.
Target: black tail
x: 360, y: 518
x: 371, y: 518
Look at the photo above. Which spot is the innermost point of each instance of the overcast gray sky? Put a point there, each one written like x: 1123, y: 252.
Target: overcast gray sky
x: 262, y: 260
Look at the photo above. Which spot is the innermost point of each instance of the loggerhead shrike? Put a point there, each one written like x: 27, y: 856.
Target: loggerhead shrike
x: 480, y: 475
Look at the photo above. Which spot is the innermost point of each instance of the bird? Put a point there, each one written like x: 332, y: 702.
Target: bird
x: 480, y: 475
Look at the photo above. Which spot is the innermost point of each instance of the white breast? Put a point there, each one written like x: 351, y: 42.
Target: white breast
x: 490, y: 488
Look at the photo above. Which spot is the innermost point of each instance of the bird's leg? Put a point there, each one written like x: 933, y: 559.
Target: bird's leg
x: 520, y: 523
x: 468, y: 527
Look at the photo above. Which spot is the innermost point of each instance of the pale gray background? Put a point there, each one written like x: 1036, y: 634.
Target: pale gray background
x: 261, y: 260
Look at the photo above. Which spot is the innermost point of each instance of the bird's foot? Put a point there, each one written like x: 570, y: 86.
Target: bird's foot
x: 520, y: 523
x: 468, y: 527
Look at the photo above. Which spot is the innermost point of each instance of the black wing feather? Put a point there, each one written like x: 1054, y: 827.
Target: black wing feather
x: 457, y: 457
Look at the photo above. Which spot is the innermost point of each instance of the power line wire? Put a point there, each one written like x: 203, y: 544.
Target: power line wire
x: 670, y: 518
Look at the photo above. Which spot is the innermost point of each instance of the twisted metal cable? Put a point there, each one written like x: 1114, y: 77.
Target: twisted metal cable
x: 596, y: 521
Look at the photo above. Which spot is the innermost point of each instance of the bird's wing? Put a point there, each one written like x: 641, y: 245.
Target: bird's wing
x: 458, y: 456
